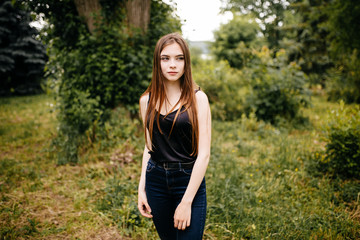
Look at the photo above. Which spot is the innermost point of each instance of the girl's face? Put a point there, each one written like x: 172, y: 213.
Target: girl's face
x: 172, y: 62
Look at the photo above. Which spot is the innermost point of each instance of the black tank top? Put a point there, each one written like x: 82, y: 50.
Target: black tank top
x: 177, y: 147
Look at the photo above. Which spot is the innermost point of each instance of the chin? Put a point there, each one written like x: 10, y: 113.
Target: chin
x: 173, y: 79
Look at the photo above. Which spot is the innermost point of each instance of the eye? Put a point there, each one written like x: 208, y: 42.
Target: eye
x: 180, y: 58
x: 164, y: 58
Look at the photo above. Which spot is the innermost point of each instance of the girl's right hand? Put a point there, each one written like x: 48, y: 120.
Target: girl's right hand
x: 143, y: 205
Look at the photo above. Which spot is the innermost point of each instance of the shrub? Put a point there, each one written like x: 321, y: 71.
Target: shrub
x: 224, y: 87
x: 78, y: 111
x: 344, y: 80
x: 277, y: 89
x: 100, y: 71
x: 272, y: 89
x: 342, y: 134
x: 234, y: 41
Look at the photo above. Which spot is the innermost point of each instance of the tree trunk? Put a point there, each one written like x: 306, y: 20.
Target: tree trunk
x: 87, y: 9
x: 138, y: 13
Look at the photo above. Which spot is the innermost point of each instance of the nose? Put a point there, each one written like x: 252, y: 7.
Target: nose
x: 172, y: 64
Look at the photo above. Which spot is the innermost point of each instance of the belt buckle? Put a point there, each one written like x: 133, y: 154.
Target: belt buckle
x: 165, y: 165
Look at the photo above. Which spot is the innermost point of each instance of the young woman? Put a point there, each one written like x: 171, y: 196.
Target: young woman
x: 177, y: 123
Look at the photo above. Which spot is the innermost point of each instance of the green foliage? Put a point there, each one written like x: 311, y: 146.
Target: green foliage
x: 309, y: 46
x: 12, y: 172
x: 77, y: 113
x: 342, y: 154
x: 224, y: 87
x: 109, y: 67
x: 7, y: 232
x: 328, y: 34
x: 119, y: 200
x: 257, y: 184
x: 92, y: 73
x: 120, y: 131
x: 278, y: 90
x: 274, y: 90
x: 344, y: 35
x: 64, y: 24
x: 343, y: 26
x: 265, y: 193
x: 234, y: 40
x: 22, y: 57
x: 344, y: 79
x: 270, y: 14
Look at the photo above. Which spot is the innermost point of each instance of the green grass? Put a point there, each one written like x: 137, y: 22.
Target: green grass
x: 40, y: 200
x: 260, y: 180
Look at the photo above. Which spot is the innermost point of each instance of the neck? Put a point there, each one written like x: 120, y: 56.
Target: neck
x: 172, y: 88
x: 173, y: 93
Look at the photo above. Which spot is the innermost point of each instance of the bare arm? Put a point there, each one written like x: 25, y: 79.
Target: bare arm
x: 143, y: 205
x: 183, y: 211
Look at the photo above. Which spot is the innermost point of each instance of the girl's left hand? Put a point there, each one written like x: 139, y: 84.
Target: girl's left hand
x: 182, y: 216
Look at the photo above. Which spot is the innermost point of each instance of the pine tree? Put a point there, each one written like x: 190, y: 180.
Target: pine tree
x: 22, y: 57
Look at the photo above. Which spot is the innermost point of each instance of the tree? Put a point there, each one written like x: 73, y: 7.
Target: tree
x: 22, y: 57
x: 269, y: 13
x: 88, y: 10
x: 329, y: 35
x: 233, y: 41
x: 307, y: 44
x: 137, y: 12
x: 100, y: 57
x: 343, y: 26
x: 344, y: 39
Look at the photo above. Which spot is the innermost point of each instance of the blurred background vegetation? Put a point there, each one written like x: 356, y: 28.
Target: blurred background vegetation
x: 283, y: 80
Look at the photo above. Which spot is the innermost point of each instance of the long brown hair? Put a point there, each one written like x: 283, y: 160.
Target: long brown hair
x: 158, y: 93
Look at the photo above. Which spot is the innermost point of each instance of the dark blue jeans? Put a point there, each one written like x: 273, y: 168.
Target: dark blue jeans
x: 164, y: 190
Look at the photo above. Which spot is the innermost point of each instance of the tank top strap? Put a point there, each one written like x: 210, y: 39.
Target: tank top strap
x: 197, y: 90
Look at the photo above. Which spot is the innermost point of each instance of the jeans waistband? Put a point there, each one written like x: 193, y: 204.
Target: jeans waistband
x: 174, y: 165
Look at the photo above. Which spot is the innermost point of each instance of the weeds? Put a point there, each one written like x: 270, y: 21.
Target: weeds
x: 261, y: 182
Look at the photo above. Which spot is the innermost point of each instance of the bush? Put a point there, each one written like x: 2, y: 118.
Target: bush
x: 234, y: 41
x: 277, y: 89
x: 342, y: 154
x: 78, y: 112
x: 273, y: 90
x: 100, y: 71
x: 344, y: 80
x: 224, y: 86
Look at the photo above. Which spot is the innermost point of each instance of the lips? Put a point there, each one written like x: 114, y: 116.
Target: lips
x: 172, y: 73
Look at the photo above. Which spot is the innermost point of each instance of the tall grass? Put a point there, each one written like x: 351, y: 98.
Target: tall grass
x: 267, y: 194
x: 260, y: 180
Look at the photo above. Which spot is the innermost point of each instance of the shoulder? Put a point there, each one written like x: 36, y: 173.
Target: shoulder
x: 143, y: 102
x: 201, y: 98
x: 144, y: 99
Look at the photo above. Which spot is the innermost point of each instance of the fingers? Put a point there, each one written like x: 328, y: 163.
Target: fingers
x: 143, y: 205
x: 148, y: 210
x: 184, y: 224
x: 181, y: 224
x: 145, y: 210
x: 182, y: 216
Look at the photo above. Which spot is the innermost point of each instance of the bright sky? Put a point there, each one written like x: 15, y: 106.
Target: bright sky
x: 199, y: 18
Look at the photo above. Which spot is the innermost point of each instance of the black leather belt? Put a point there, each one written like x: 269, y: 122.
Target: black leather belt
x: 174, y: 165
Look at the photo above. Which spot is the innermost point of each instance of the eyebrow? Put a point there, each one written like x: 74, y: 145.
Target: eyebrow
x: 165, y: 55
